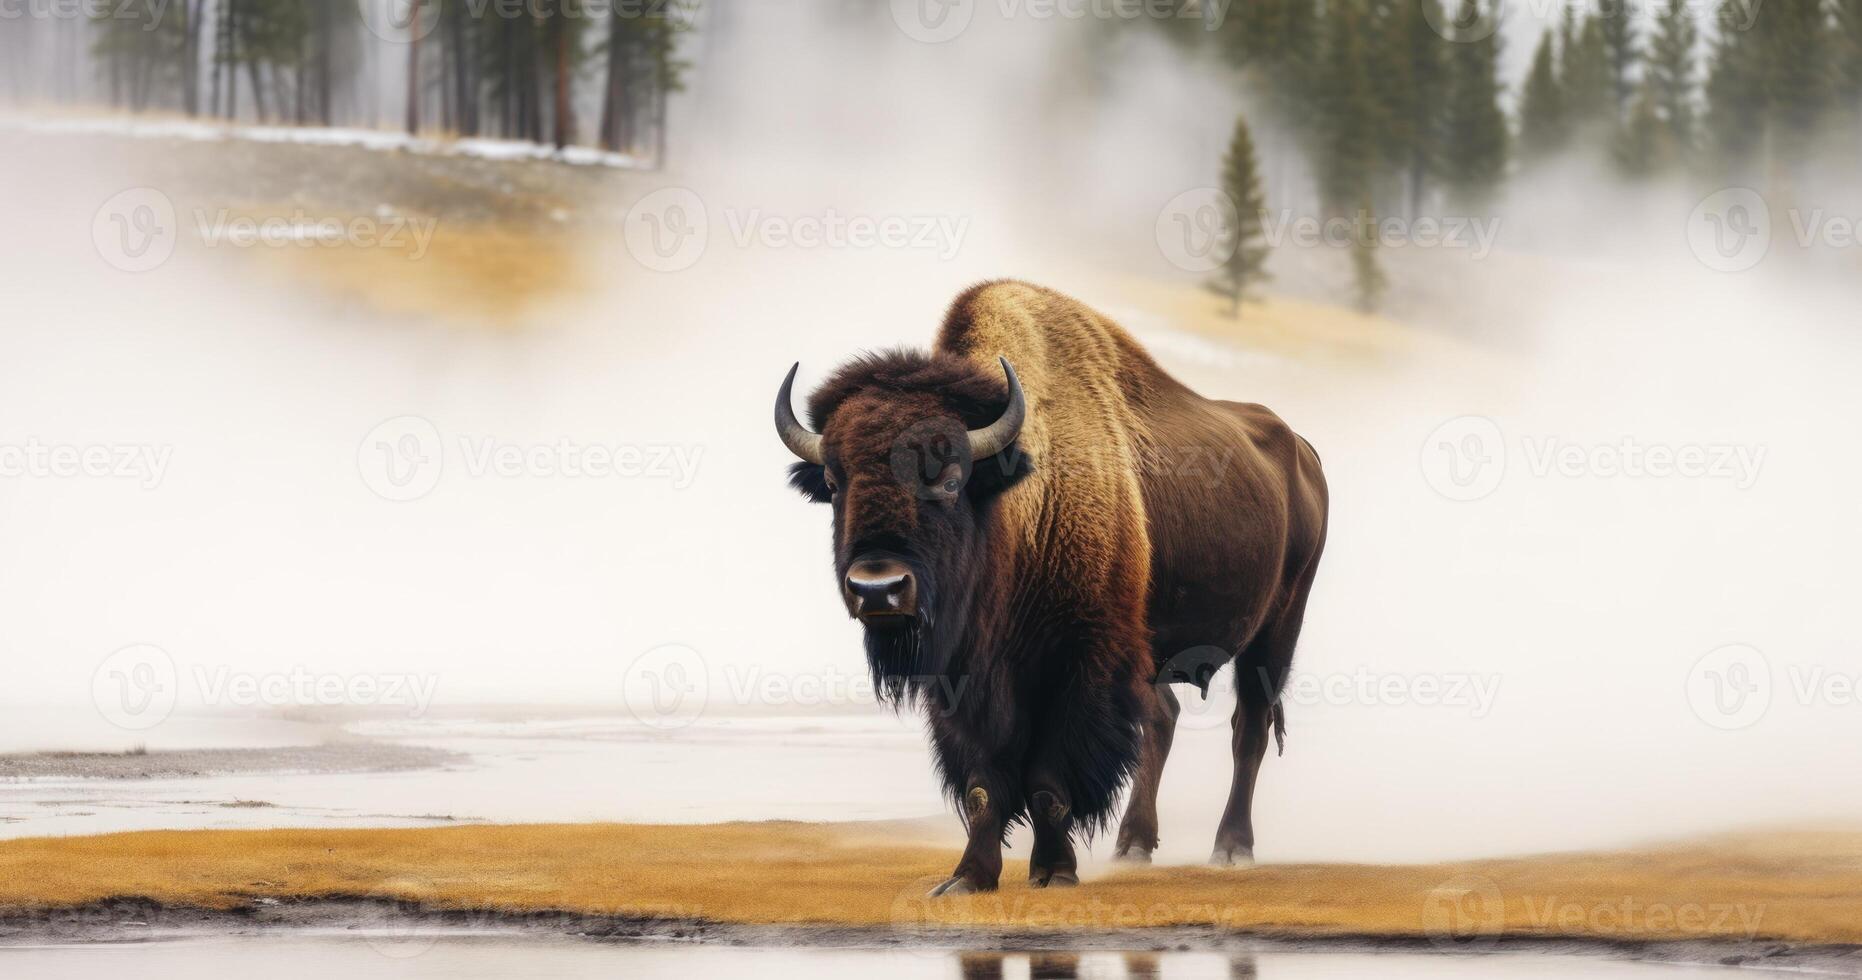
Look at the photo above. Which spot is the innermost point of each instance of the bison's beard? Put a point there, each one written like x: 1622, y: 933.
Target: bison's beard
x: 905, y: 660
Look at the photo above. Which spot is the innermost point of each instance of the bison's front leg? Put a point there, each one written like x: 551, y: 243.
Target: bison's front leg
x: 1052, y: 861
x: 981, y: 866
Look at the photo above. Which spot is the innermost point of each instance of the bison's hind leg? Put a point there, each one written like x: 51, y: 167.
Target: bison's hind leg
x: 1260, y: 673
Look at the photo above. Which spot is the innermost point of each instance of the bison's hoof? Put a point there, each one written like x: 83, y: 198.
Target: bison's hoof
x: 1052, y: 877
x: 957, y: 885
x: 1135, y: 853
x: 1232, y: 857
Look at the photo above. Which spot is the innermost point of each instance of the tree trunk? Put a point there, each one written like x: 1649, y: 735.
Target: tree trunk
x: 258, y: 88
x: 565, y: 113
x: 611, y: 94
x: 413, y: 73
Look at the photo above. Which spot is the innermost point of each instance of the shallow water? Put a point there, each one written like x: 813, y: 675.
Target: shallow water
x: 370, y: 958
x: 521, y: 769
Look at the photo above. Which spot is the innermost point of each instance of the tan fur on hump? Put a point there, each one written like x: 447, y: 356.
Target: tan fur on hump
x: 1080, y: 373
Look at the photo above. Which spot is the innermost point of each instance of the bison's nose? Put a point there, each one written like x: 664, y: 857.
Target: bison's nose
x: 879, y: 588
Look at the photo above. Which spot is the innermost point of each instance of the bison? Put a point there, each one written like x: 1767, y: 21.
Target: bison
x: 1040, y: 531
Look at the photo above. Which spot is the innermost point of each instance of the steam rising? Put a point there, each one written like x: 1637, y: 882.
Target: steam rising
x: 1578, y: 603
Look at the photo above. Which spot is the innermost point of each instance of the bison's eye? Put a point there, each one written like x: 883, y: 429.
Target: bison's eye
x: 949, y: 483
x: 827, y: 477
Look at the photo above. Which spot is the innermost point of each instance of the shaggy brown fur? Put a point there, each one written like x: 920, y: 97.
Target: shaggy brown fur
x: 1135, y: 527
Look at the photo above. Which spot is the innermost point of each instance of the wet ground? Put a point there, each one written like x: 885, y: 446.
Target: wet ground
x: 390, y: 955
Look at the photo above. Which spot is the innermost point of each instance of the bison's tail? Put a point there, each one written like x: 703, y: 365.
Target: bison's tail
x: 1280, y: 728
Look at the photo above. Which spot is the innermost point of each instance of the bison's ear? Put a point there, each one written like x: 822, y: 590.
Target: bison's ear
x: 1000, y: 472
x: 811, y: 479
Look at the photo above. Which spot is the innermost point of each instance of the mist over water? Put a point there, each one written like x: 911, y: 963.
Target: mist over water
x: 1569, y: 606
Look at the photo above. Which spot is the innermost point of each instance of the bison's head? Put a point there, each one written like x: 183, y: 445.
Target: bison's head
x: 911, y: 450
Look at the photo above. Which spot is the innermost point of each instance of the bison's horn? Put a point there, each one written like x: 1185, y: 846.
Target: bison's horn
x: 800, y: 441
x: 987, y: 442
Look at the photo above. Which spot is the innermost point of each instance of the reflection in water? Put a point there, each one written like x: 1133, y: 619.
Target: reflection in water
x: 1143, y: 966
x: 1147, y: 965
x: 1054, y: 966
x: 980, y: 966
x: 290, y: 957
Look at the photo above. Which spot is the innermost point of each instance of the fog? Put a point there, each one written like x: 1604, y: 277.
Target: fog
x: 1569, y: 607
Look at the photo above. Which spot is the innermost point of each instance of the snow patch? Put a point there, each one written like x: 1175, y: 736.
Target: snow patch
x: 368, y: 139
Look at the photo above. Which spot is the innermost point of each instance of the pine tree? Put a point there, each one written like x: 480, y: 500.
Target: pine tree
x: 1368, y: 277
x: 1641, y: 147
x: 1477, y: 134
x: 1394, y: 93
x: 1846, y: 87
x: 1347, y: 110
x: 1798, y: 47
x: 1585, y: 70
x: 1243, y: 241
x: 1618, y: 35
x: 1543, y: 127
x: 1670, y: 78
x: 1347, y: 144
x: 1735, y: 120
x: 1846, y: 55
x: 1428, y: 87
